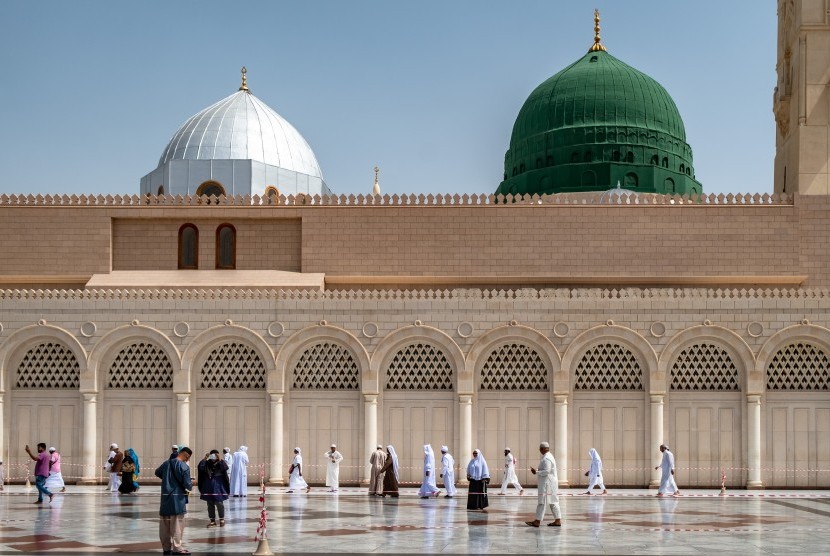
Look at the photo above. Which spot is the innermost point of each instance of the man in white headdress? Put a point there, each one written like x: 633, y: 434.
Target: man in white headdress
x: 108, y: 467
x: 548, y: 488
x: 510, y: 477
x: 228, y: 457
x: 239, y: 478
x: 333, y: 458
x: 594, y: 473
x: 295, y: 473
x: 428, y: 487
x: 448, y: 471
x: 377, y: 459
x: 55, y: 479
x: 667, y: 482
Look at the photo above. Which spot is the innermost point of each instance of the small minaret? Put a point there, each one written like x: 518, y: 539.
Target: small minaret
x: 376, y: 187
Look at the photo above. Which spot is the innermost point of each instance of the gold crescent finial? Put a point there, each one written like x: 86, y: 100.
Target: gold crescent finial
x: 244, y: 86
x: 377, y: 171
x: 597, y: 46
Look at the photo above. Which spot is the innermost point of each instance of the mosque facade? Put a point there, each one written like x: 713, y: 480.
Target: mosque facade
x: 547, y: 311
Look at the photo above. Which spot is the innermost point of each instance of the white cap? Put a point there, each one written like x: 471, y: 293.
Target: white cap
x: 544, y: 445
x: 113, y: 445
x: 380, y: 447
x: 444, y: 449
x: 507, y: 450
x: 174, y: 447
x: 52, y: 449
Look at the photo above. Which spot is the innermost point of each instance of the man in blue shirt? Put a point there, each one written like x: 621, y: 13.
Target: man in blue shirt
x: 176, y: 485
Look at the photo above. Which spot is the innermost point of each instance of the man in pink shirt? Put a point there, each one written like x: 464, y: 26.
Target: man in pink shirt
x: 42, y: 463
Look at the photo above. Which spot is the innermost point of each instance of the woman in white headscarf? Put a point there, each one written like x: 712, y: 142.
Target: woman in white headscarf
x: 295, y: 474
x: 594, y: 473
x: 391, y: 473
x: 428, y: 486
x: 478, y: 474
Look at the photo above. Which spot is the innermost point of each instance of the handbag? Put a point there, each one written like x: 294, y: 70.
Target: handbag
x: 128, y: 467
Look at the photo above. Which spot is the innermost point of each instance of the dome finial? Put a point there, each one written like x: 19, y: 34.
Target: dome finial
x: 597, y: 46
x: 244, y: 86
x: 376, y: 187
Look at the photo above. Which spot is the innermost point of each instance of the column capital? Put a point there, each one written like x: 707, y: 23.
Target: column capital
x: 276, y: 398
x: 561, y: 398
x: 370, y: 398
x: 753, y: 399
x: 90, y: 398
x: 657, y: 398
x: 465, y: 399
x: 183, y: 398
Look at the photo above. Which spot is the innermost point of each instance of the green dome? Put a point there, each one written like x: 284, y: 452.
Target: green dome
x: 595, y: 123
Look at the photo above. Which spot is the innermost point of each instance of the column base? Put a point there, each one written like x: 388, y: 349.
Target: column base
x: 755, y: 485
x: 88, y: 482
x: 564, y: 484
x: 462, y: 483
x: 275, y: 482
x: 654, y: 484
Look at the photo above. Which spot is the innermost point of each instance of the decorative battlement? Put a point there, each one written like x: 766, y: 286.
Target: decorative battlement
x: 390, y: 294
x: 569, y: 199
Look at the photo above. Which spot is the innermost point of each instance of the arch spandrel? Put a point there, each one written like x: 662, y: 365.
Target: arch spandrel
x: 298, y: 342
x: 13, y: 348
x: 107, y: 347
x: 736, y: 346
x: 199, y: 349
x: 481, y: 349
x: 810, y: 333
x: 389, y: 346
x: 636, y: 343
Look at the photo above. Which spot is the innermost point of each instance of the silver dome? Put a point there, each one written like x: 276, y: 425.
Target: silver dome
x: 242, y: 127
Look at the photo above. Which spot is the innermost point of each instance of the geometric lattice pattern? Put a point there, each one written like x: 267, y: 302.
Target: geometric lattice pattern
x: 608, y: 367
x: 799, y: 366
x: 419, y: 366
x: 49, y: 365
x: 704, y: 367
x: 514, y: 367
x: 141, y: 365
x: 233, y: 365
x: 326, y: 366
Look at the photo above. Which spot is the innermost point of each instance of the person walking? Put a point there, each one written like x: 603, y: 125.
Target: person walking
x: 41, y: 471
x: 108, y: 468
x: 548, y: 489
x: 55, y: 480
x: 295, y: 473
x: 428, y: 486
x: 333, y: 468
x: 391, y: 473
x: 115, y: 468
x: 594, y: 473
x: 239, y: 478
x: 376, y: 460
x: 129, y: 469
x: 214, y: 486
x: 478, y: 474
x: 176, y: 485
x: 667, y: 482
x: 448, y: 471
x: 510, y: 476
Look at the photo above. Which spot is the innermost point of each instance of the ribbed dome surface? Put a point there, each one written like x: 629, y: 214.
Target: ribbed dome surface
x: 242, y: 127
x: 598, y: 90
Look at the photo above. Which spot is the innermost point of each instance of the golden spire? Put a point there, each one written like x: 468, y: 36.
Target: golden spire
x: 597, y: 46
x: 244, y: 86
x: 376, y: 187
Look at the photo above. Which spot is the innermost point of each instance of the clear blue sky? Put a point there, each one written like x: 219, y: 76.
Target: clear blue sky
x: 428, y: 90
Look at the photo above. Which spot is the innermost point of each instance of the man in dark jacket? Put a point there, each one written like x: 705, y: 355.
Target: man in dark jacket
x: 115, y: 467
x: 175, y: 487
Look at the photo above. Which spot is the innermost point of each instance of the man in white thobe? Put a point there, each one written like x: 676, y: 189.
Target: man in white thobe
x: 667, y: 482
x: 448, y: 471
x: 377, y: 459
x: 548, y: 488
x: 228, y: 457
x: 108, y: 468
x: 333, y: 468
x: 239, y: 478
x: 510, y: 476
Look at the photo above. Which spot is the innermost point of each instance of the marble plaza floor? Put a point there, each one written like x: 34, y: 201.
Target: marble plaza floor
x: 87, y: 519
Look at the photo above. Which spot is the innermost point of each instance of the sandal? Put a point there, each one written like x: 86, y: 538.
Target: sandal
x: 532, y: 523
x: 211, y: 524
x: 221, y: 523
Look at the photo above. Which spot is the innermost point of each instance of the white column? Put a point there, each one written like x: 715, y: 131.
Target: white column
x: 89, y: 461
x: 370, y: 438
x: 183, y: 420
x: 465, y: 433
x: 656, y: 436
x: 560, y: 440
x: 753, y: 459
x: 275, y: 473
x: 2, y: 429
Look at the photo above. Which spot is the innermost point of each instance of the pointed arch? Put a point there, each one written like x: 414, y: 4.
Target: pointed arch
x: 810, y: 333
x: 102, y: 353
x: 13, y: 348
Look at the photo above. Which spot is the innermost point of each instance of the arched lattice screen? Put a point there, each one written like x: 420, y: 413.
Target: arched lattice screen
x: 609, y: 367
x: 704, y: 367
x: 141, y: 365
x: 514, y: 366
x: 233, y: 365
x: 799, y: 366
x: 49, y: 365
x: 326, y: 366
x: 419, y: 366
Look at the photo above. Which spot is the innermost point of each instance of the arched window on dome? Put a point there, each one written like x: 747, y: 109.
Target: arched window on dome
x: 629, y: 157
x: 515, y: 171
x: 682, y: 168
x: 549, y: 160
x: 655, y: 160
x: 669, y: 186
x: 616, y: 156
x: 188, y: 247
x: 631, y: 180
x: 688, y: 171
x: 575, y: 158
x: 160, y: 190
x: 522, y: 168
x: 588, y: 157
x: 665, y: 162
x: 210, y: 188
x: 225, y: 247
